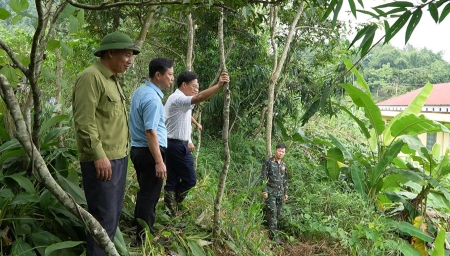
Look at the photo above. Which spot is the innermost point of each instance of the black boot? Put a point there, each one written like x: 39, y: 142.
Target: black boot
x: 170, y: 203
x: 181, y: 196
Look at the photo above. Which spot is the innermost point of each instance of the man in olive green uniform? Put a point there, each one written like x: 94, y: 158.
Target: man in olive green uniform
x: 101, y: 125
x: 274, y: 177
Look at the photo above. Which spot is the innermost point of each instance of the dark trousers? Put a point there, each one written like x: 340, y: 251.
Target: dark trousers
x: 180, y: 168
x: 273, y: 205
x: 104, y: 199
x: 149, y: 187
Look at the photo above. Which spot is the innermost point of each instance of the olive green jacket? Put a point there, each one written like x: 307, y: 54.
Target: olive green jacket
x: 100, y: 116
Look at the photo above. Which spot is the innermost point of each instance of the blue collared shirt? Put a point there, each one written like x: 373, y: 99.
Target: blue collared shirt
x: 147, y: 113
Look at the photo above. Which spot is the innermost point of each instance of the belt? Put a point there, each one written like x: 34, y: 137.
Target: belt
x: 184, y: 142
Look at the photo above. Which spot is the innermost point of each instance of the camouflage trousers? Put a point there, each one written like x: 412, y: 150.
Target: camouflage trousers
x: 272, y: 212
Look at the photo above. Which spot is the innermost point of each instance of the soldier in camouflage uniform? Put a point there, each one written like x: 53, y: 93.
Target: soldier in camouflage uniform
x: 274, y: 177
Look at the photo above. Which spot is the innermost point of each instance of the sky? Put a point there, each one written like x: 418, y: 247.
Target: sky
x: 427, y: 33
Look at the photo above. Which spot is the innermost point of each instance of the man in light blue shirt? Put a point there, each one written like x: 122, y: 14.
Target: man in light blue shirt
x: 149, y: 141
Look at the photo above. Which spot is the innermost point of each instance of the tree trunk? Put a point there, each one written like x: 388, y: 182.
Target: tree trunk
x: 199, y: 139
x: 144, y: 29
x: 225, y: 136
x: 190, y: 46
x: 278, y: 65
x: 64, y: 198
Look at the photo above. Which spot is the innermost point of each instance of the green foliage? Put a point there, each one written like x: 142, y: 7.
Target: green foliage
x: 392, y: 71
x: 23, y: 198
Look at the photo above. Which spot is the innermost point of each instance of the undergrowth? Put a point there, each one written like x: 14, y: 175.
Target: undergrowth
x: 319, y: 218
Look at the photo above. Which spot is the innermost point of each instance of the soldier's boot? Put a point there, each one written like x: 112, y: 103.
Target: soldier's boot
x: 181, y: 196
x: 273, y: 234
x: 170, y: 203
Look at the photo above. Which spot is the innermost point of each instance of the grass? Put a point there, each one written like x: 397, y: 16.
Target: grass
x: 320, y: 217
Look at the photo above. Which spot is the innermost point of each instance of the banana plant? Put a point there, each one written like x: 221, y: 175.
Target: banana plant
x: 372, y: 173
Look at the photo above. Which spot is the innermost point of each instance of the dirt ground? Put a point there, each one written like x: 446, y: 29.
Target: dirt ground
x: 310, y: 249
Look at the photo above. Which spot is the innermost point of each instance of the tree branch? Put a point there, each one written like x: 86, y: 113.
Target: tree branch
x: 175, y: 21
x: 13, y: 57
x: 94, y: 227
x: 106, y: 5
x: 36, y: 36
x: 145, y: 27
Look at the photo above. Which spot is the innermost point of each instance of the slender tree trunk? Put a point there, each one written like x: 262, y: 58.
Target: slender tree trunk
x: 199, y: 139
x: 145, y: 26
x: 278, y: 65
x: 46, y: 178
x: 190, y: 47
x: 225, y: 136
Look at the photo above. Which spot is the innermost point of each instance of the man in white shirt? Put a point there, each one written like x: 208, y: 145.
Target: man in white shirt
x: 181, y: 175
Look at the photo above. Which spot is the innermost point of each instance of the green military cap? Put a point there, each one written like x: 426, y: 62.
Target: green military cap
x: 116, y: 41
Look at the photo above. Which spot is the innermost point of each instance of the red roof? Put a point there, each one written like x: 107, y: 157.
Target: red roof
x: 440, y: 95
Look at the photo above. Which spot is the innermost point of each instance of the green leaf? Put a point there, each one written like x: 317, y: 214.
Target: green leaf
x: 347, y: 154
x: 54, y: 133
x: 10, y: 74
x: 380, y: 168
x: 374, y: 15
x: 66, y: 51
x: 432, y: 8
x: 16, y: 19
x: 25, y: 198
x: 360, y: 123
x: 73, y: 24
x: 396, y: 4
x: 80, y: 17
x: 4, y: 14
x: 413, y: 176
x: 315, y: 106
x: 439, y: 201
x: 336, y: 12
x: 399, y: 23
x: 352, y: 7
x: 393, y: 181
x: 372, y: 112
x: 367, y: 41
x: 21, y: 248
x: 73, y: 189
x: 359, y: 78
x: 52, y: 45
x: 397, y: 198
x: 334, y: 155
x: 68, y: 10
x: 329, y: 9
x: 61, y: 245
x: 18, y: 5
x: 413, y: 231
x: 415, y: 125
x: 415, y: 107
x: 4, y: 134
x: 23, y: 182
x: 415, y: 19
x: 51, y: 122
x: 409, y: 250
x: 120, y: 244
x: 359, y: 35
x: 439, y: 244
x: 396, y: 10
x: 12, y: 153
x: 195, y: 248
x: 358, y: 179
x: 444, y: 12
x: 42, y: 239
